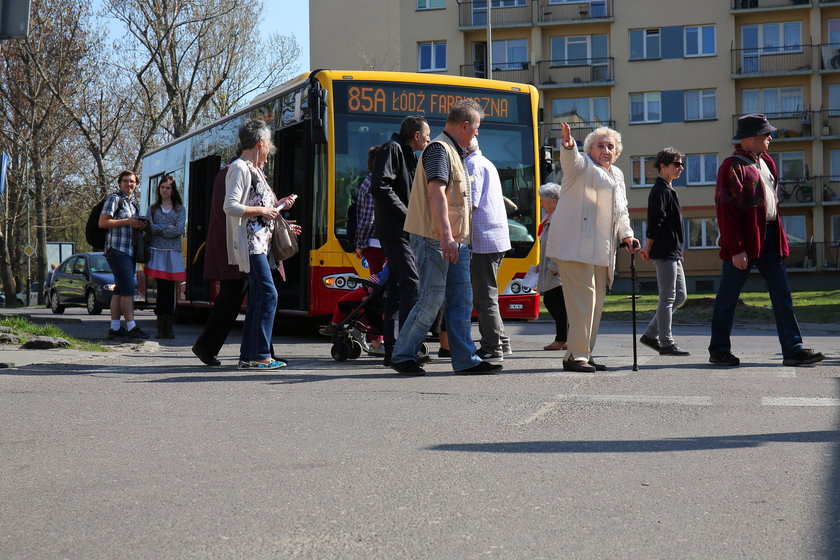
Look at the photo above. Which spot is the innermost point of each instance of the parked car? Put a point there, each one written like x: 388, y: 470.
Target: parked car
x: 82, y: 279
x: 34, y: 290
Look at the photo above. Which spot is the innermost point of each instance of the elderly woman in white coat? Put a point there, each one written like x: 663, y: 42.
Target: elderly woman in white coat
x: 590, y: 221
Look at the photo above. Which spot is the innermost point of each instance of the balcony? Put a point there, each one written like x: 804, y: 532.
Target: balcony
x: 575, y: 72
x: 791, y: 125
x: 738, y: 5
x: 550, y: 132
x: 550, y: 12
x: 506, y: 13
x: 830, y: 190
x: 772, y: 61
x: 829, y: 57
x: 830, y: 253
x: 521, y: 72
x: 828, y: 121
x: 798, y: 191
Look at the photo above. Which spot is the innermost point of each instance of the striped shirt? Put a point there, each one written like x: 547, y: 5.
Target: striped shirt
x: 436, y: 162
x: 490, y: 223
x: 118, y: 206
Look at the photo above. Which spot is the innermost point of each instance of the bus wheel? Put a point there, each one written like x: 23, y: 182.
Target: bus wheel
x: 340, y: 351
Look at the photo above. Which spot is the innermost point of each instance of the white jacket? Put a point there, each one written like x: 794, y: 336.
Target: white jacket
x: 591, y: 217
x: 237, y: 182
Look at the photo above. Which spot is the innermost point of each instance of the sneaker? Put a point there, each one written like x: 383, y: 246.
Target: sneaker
x: 121, y: 333
x: 137, y: 333
x: 268, y: 364
x: 724, y: 359
x: 444, y: 353
x: 673, y: 350
x: 376, y: 350
x: 481, y: 368
x: 581, y: 367
x: 506, y: 349
x: 408, y: 368
x: 804, y: 357
x: 205, y: 358
x: 651, y: 343
x: 423, y: 358
x: 598, y: 367
x: 490, y: 355
x: 327, y: 330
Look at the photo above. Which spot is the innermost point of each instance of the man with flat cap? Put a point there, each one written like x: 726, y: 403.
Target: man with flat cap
x: 751, y: 234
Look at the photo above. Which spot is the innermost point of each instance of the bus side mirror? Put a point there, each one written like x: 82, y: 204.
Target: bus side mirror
x: 546, y: 164
x: 318, y: 114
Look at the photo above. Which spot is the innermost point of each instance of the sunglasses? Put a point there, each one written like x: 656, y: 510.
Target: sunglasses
x: 677, y: 164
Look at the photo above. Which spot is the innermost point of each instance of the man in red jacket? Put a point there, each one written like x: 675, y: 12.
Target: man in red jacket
x: 751, y: 234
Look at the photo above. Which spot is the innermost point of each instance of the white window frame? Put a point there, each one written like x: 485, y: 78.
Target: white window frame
x: 782, y: 93
x: 704, y: 233
x: 783, y: 159
x: 646, y: 33
x: 700, y: 42
x: 701, y: 94
x: 791, y: 230
x: 591, y: 108
x: 835, y: 230
x: 648, y: 97
x: 427, y: 4
x: 503, y: 43
x: 433, y: 46
x: 708, y: 176
x: 642, y: 180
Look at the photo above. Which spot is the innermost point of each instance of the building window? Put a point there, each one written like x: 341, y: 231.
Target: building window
x: 431, y: 4
x: 585, y: 109
x: 700, y: 104
x: 432, y: 56
x: 510, y: 55
x: 643, y: 172
x: 644, y: 43
x: 701, y: 169
x: 700, y: 40
x: 835, y: 231
x: 768, y: 38
x: 639, y: 226
x: 790, y: 165
x: 702, y: 233
x: 585, y: 49
x: 794, y: 227
x: 772, y: 100
x: 645, y: 107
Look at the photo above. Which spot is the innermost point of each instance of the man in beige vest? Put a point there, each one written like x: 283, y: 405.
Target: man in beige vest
x: 438, y: 221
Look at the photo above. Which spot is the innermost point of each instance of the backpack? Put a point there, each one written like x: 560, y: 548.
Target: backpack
x: 95, y: 235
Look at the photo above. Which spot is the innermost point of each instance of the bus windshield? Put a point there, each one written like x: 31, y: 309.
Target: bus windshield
x: 506, y: 138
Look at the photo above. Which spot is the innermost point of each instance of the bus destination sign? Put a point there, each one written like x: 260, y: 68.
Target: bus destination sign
x: 431, y: 101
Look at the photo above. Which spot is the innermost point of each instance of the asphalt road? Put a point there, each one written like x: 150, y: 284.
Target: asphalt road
x: 146, y: 453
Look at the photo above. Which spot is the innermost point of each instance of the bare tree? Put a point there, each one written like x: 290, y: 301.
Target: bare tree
x: 189, y: 51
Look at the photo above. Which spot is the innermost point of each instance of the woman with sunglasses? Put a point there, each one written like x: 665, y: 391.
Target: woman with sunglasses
x: 664, y: 246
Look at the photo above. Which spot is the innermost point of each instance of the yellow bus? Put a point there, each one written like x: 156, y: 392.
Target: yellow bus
x: 324, y: 123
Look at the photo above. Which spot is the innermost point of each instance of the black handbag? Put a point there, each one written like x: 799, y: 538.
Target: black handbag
x: 141, y: 241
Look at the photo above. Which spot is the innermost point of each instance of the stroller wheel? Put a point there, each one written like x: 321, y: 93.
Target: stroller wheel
x: 355, y: 350
x: 340, y: 351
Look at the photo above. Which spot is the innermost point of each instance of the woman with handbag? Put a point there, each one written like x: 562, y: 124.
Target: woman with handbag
x: 251, y: 209
x: 167, y: 218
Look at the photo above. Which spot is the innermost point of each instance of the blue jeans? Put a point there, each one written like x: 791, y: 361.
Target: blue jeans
x: 772, y: 267
x: 259, y: 317
x: 441, y: 283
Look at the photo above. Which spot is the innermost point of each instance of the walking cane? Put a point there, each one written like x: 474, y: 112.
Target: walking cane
x: 633, y: 302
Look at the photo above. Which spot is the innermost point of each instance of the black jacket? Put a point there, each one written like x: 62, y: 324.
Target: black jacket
x: 393, y: 172
x: 664, y: 222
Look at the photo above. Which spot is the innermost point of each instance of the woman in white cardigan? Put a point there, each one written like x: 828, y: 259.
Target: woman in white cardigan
x: 251, y: 208
x: 591, y: 219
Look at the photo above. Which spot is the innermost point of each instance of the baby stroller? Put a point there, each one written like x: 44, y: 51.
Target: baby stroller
x: 349, y: 337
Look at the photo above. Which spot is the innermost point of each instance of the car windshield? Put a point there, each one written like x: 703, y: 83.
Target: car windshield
x: 98, y: 264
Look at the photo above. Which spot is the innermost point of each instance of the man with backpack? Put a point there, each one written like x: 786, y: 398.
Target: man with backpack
x: 119, y: 217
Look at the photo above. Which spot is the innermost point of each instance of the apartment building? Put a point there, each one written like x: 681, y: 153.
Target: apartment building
x: 661, y: 72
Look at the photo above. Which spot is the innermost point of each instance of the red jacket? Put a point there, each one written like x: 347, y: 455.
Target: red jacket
x: 741, y: 212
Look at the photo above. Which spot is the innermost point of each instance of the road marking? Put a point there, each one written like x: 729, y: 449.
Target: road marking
x: 799, y: 401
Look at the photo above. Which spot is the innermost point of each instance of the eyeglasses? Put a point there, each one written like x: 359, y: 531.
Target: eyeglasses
x: 677, y: 164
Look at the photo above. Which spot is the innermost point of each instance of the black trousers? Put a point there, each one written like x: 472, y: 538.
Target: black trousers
x: 555, y: 303
x: 403, y: 284
x: 222, y: 316
x: 165, y: 299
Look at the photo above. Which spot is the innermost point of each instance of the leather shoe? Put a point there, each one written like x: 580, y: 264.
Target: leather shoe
x: 598, y: 367
x: 205, y: 358
x: 724, y: 359
x: 574, y: 365
x: 673, y: 350
x: 804, y: 357
x: 556, y: 345
x: 651, y: 343
x: 408, y: 367
x: 481, y: 368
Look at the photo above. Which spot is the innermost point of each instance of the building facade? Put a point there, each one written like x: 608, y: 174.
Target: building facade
x: 661, y: 72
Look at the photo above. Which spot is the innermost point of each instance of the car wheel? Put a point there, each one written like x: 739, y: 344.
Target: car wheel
x: 93, y: 307
x: 56, y: 307
x: 47, y: 300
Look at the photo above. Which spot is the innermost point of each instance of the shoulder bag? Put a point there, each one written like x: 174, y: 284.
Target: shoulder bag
x: 284, y: 243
